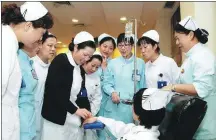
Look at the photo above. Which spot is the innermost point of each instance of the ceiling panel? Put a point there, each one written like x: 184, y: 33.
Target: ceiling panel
x: 100, y: 17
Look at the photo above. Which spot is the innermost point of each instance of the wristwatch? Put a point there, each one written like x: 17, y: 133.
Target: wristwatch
x: 173, y: 88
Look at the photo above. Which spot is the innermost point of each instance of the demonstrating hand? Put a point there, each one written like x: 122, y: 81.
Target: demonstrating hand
x: 84, y: 113
x: 104, y: 63
x: 167, y: 88
x: 115, y: 97
x: 90, y: 120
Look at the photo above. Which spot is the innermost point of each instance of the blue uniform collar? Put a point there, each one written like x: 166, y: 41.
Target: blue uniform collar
x: 193, y: 49
x: 127, y: 61
x: 25, y: 56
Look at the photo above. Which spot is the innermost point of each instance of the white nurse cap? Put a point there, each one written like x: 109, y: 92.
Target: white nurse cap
x: 154, y: 99
x: 189, y: 23
x: 82, y: 37
x: 32, y: 11
x: 97, y: 53
x: 152, y: 34
x: 102, y: 36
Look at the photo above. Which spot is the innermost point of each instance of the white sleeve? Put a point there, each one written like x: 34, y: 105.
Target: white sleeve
x: 96, y: 98
x: 175, y: 71
x: 117, y: 128
x: 9, y: 54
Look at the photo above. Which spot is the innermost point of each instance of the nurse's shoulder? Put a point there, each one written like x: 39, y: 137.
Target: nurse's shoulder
x: 115, y: 61
x: 203, y: 56
x: 167, y: 60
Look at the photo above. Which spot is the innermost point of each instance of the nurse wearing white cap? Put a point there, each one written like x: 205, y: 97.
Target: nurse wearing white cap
x: 62, y: 116
x: 157, y: 63
x: 106, y: 47
x: 24, y: 24
x: 93, y: 87
x: 149, y: 112
x: 198, y: 73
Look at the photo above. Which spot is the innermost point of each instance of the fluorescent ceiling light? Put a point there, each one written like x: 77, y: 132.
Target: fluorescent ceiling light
x: 123, y: 18
x: 75, y: 20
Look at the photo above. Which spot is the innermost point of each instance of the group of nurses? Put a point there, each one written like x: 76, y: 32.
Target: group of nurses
x: 20, y: 24
x: 198, y: 73
x: 46, y: 51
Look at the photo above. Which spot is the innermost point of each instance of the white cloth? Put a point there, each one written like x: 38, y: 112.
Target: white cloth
x: 165, y: 65
x: 32, y: 11
x: 76, y: 86
x: 11, y: 83
x: 130, y: 131
x: 52, y: 131
x: 93, y: 88
x: 41, y: 69
x: 71, y: 129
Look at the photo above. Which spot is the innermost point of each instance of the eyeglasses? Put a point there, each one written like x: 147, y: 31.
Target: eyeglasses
x: 126, y: 45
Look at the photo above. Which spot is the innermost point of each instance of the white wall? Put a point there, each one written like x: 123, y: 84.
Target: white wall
x: 206, y: 18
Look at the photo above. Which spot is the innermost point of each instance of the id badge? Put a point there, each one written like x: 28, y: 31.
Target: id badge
x: 34, y: 74
x: 138, y: 76
x: 83, y: 92
x: 161, y: 84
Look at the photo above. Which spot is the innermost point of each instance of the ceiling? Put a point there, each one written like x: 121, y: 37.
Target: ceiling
x: 102, y: 17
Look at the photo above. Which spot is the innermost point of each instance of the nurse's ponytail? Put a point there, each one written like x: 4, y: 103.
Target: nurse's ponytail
x: 202, y: 35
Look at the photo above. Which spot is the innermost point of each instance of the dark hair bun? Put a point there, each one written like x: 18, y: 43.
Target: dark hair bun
x: 202, y: 35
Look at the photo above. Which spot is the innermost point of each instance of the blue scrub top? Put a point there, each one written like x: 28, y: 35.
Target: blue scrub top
x: 27, y: 97
x: 118, y: 77
x: 199, y: 69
